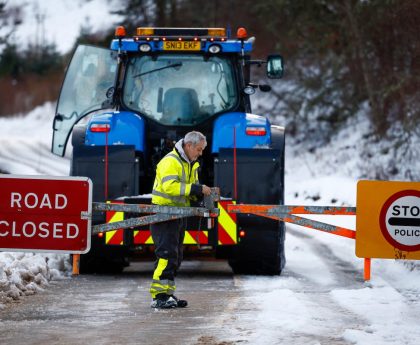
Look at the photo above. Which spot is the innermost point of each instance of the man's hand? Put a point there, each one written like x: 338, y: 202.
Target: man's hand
x: 206, y: 190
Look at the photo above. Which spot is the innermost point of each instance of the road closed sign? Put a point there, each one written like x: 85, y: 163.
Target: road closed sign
x: 45, y: 213
x: 388, y: 220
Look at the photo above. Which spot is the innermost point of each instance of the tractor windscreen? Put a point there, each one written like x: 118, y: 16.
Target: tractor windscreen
x: 180, y: 89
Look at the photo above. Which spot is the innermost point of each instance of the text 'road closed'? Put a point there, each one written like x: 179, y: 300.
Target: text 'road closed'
x: 45, y: 214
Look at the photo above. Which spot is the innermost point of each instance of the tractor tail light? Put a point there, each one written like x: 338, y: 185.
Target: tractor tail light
x: 100, y: 127
x: 257, y: 131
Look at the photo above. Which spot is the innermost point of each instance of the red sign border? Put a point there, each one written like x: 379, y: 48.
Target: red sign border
x: 382, y: 216
x: 89, y: 212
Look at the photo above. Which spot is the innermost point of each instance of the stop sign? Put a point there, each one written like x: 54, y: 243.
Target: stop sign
x: 45, y: 213
x: 400, y: 220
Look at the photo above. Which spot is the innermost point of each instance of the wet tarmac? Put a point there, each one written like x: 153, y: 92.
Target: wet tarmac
x: 223, y: 309
x: 115, y: 309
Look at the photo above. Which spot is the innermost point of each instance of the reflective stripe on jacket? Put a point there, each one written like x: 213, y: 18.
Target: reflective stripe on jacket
x: 174, y: 178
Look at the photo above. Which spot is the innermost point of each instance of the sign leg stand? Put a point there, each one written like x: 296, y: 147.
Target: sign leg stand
x: 366, y: 271
x: 76, y: 264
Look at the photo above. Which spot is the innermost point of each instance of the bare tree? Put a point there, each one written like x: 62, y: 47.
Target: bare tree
x: 10, y: 18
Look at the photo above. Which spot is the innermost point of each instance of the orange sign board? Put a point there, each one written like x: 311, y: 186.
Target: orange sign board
x: 388, y: 220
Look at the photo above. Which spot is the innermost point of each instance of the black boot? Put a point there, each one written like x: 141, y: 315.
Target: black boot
x: 181, y: 303
x: 164, y: 301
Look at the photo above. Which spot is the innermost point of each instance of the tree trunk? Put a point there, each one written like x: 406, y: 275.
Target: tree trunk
x: 377, y: 115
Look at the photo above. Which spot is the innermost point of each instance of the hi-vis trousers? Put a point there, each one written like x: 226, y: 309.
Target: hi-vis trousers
x: 168, y: 238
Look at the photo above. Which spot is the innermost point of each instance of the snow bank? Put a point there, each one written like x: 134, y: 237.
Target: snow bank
x: 390, y: 319
x: 23, y: 274
x: 25, y: 142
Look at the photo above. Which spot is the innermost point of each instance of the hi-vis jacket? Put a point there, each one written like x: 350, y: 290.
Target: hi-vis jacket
x: 176, y: 181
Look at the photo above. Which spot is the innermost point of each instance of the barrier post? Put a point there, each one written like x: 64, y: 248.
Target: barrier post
x: 366, y: 272
x: 76, y: 264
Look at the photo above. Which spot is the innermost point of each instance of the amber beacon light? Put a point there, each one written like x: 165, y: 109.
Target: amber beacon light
x: 241, y: 33
x: 120, y: 31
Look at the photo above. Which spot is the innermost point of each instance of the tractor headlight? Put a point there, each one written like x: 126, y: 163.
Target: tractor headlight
x: 145, y: 48
x: 249, y: 90
x: 214, y: 49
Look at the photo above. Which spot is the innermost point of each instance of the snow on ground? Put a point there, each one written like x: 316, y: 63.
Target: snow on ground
x: 388, y: 305
x: 25, y: 150
x: 23, y: 274
x: 25, y: 144
x: 385, y: 309
x: 308, y: 302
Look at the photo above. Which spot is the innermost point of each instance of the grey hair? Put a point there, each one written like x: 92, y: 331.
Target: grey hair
x: 195, y: 138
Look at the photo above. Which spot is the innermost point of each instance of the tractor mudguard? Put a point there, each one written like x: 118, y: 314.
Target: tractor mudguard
x: 259, y: 180
x: 240, y: 130
x: 259, y: 175
x: 122, y: 169
x: 125, y: 128
x: 121, y: 165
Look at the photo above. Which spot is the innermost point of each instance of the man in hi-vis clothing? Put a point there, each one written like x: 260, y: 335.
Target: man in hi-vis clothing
x: 176, y: 184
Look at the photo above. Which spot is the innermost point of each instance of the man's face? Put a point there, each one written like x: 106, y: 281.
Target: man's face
x: 194, y: 151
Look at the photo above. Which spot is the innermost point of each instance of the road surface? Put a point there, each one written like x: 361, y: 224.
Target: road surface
x: 223, y: 308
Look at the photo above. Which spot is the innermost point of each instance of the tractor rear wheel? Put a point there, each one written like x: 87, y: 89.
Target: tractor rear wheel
x: 261, y: 252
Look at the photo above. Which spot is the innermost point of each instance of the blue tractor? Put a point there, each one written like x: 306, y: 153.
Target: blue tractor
x: 125, y: 107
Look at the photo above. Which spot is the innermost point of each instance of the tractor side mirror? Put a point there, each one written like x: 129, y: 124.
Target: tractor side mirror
x: 275, y: 66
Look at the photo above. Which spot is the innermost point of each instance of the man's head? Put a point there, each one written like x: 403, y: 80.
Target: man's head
x: 194, y: 145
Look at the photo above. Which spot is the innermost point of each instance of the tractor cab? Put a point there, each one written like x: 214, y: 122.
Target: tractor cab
x: 170, y: 76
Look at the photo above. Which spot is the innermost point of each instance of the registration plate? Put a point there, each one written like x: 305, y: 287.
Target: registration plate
x: 181, y: 45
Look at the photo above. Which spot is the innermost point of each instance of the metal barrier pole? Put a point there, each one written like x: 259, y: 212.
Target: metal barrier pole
x: 162, y: 213
x: 159, y: 214
x: 287, y: 213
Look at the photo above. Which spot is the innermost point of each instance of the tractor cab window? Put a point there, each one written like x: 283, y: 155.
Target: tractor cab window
x: 180, y: 89
x: 90, y: 75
